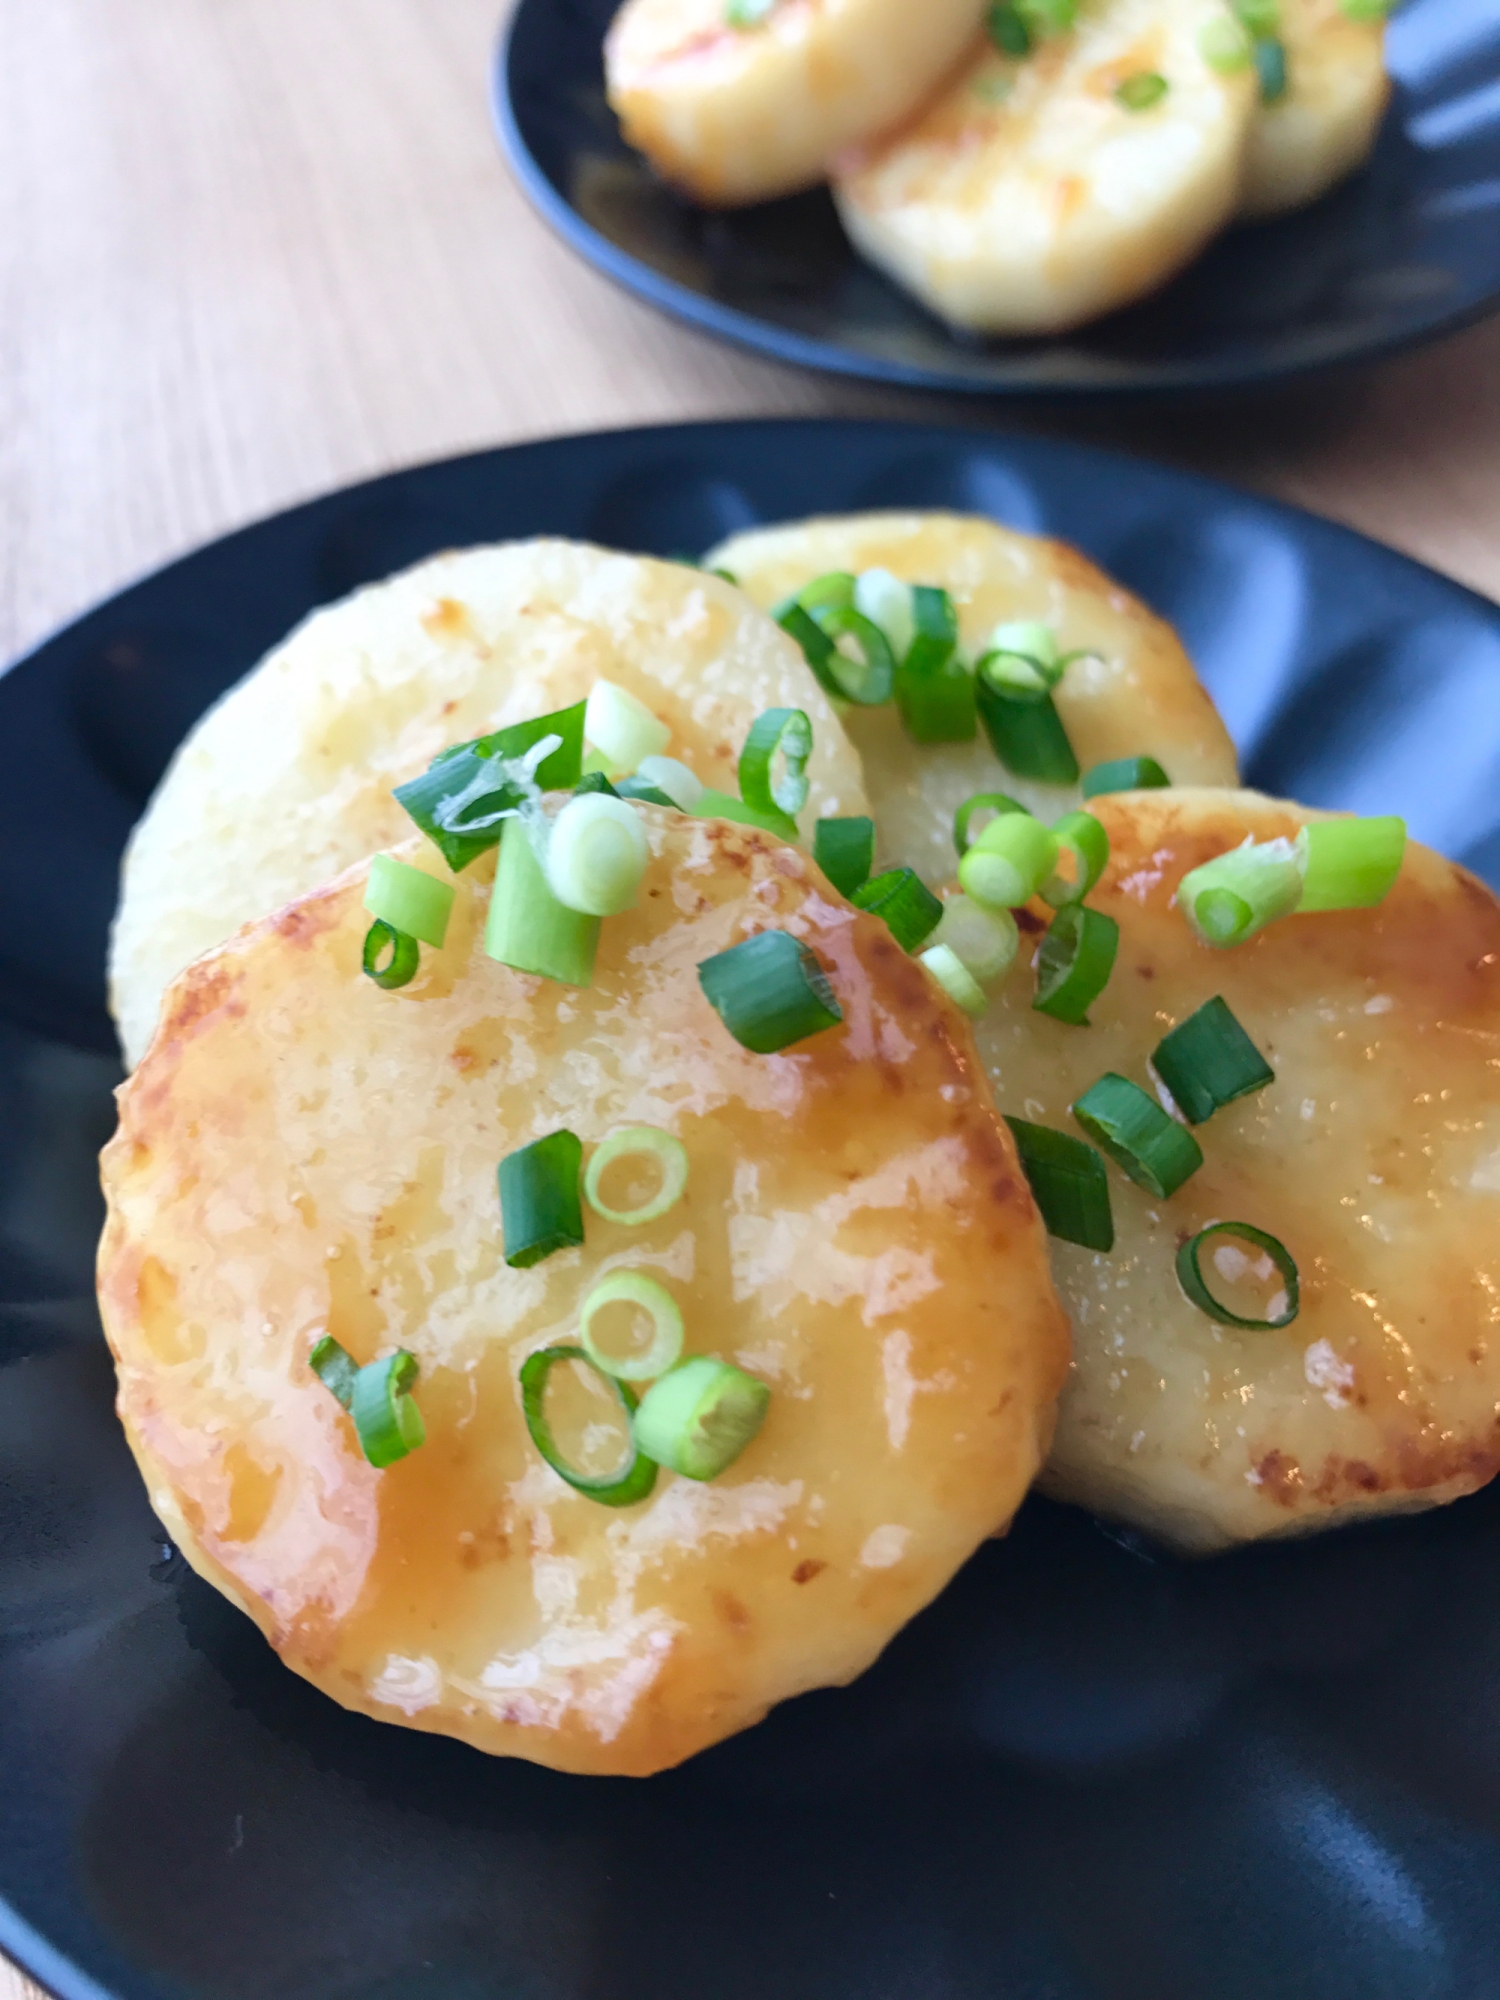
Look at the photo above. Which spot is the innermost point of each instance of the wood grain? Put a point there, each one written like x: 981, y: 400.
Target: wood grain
x: 252, y: 249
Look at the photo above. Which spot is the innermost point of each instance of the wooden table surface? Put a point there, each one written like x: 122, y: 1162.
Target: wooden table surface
x: 253, y: 249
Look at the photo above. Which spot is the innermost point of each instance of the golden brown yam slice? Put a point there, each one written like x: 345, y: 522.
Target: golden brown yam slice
x: 301, y: 1152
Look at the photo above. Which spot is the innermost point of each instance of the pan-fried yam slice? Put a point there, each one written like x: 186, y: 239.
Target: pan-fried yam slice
x: 1323, y: 126
x: 1374, y: 1157
x: 301, y: 1153
x: 1135, y: 695
x: 1030, y: 196
x: 741, y: 113
x: 287, y: 780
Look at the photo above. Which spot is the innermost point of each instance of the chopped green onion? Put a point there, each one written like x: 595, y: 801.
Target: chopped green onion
x: 845, y: 851
x: 1260, y: 18
x: 1027, y: 735
x: 1124, y: 774
x: 621, y: 1488
x: 727, y: 575
x: 405, y: 956
x: 528, y: 928
x: 868, y: 677
x: 1022, y: 658
x: 1190, y: 1274
x: 615, y: 722
x: 996, y: 802
x: 1069, y: 1183
x: 593, y: 782
x: 638, y: 1142
x: 1270, y: 67
x: 634, y: 1288
x: 408, y: 900
x: 747, y: 13
x: 903, y: 900
x: 699, y: 1417
x: 335, y: 1368
x: 769, y: 991
x: 955, y: 978
x: 539, y: 1207
x: 645, y: 793
x: 384, y: 1411
x: 1366, y: 10
x: 1073, y: 966
x: 1156, y: 1152
x: 786, y: 732
x: 1085, y: 844
x: 719, y: 805
x: 817, y: 648
x: 1009, y: 861
x: 985, y: 941
x: 833, y: 591
x: 1141, y: 92
x: 1007, y: 29
x: 934, y: 689
x: 683, y: 787
x: 1224, y: 45
x: 1230, y: 898
x: 463, y: 797
x: 1208, y: 1060
x: 596, y: 856
x: 1349, y: 864
x: 1050, y: 17
x: 595, y: 766
x: 887, y: 601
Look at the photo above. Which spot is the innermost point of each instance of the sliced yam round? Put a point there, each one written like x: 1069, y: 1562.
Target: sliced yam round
x: 1136, y: 695
x: 1324, y: 126
x: 1374, y: 1157
x: 740, y: 114
x: 1026, y: 198
x: 302, y: 1153
x: 288, y: 779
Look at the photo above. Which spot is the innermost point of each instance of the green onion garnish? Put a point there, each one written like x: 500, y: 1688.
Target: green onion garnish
x: 934, y: 689
x: 995, y: 802
x: 904, y: 901
x: 985, y: 941
x: 408, y: 900
x: 719, y: 805
x: 833, y: 591
x: 1230, y: 898
x: 621, y: 727
x: 1190, y: 1273
x: 786, y: 732
x: 745, y: 14
x: 698, y: 1418
x: 464, y: 796
x: 1141, y: 92
x: 527, y: 927
x: 1026, y: 734
x: 384, y: 1411
x: 1073, y: 966
x: 1022, y: 658
x: 638, y: 1142
x: 634, y: 1288
x: 405, y: 956
x: 726, y: 575
x: 1208, y: 1060
x: 596, y: 856
x: 1260, y: 18
x: 335, y: 1368
x: 1125, y: 774
x: 868, y: 676
x: 1270, y: 67
x: 1069, y: 1183
x: 681, y: 785
x: 1349, y: 864
x: 769, y: 991
x: 1050, y: 17
x: 645, y: 793
x: 594, y: 782
x: 539, y: 1206
x: 955, y: 978
x: 845, y: 851
x: 621, y: 1488
x: 1084, y: 846
x: 1007, y: 28
x: 1366, y: 10
x: 1156, y: 1152
x: 1009, y: 861
x: 888, y: 601
x: 1224, y: 45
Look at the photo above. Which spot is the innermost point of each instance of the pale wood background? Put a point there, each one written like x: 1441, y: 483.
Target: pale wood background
x: 252, y: 249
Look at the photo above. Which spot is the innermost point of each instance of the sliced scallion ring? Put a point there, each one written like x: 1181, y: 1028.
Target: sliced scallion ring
x: 634, y: 1288
x: 1009, y: 862
x: 384, y: 1411
x: 669, y: 775
x: 956, y: 980
x: 1084, y: 844
x: 1207, y: 1061
x: 1074, y: 963
x: 1195, y: 1285
x: 335, y: 1368
x: 407, y: 899
x: 934, y: 686
x: 1125, y: 774
x: 539, y: 1207
x: 769, y: 991
x: 867, y: 677
x: 1141, y: 91
x: 622, y: 1488
x: 1227, y: 900
x: 1349, y: 864
x: 622, y: 727
x: 1026, y: 734
x: 785, y: 733
x: 528, y: 927
x: 698, y: 1418
x: 596, y: 856
x: 643, y: 1142
x: 985, y: 941
x: 1068, y: 1182
x: 1143, y: 1141
x: 845, y: 851
x: 400, y: 968
x: 833, y: 591
x: 887, y: 601
x: 995, y: 802
x: 903, y: 900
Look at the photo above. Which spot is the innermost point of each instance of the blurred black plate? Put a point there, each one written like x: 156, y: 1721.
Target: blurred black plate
x: 1088, y: 1773
x: 1407, y: 250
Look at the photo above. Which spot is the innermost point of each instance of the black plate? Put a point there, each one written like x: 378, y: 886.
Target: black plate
x: 1407, y: 250
x: 1088, y: 1773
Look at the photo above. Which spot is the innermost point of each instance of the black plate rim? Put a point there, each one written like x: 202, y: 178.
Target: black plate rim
x: 762, y: 337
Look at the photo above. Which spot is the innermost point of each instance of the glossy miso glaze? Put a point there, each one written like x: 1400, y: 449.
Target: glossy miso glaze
x: 1136, y: 695
x: 1374, y: 1157
x: 288, y: 779
x: 302, y: 1153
